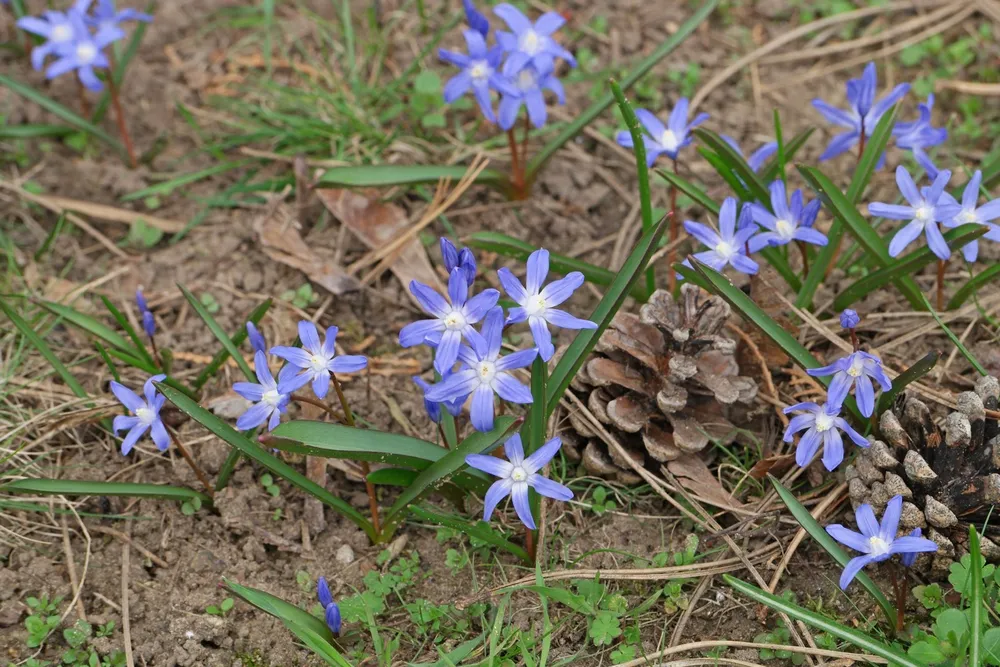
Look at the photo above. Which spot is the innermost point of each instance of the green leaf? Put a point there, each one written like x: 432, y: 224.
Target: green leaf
x: 577, y: 603
x: 368, y: 176
x: 907, y: 265
x: 62, y: 112
x: 612, y: 301
x: 34, y: 131
x: 926, y: 653
x: 782, y: 158
x: 911, y: 374
x: 89, y: 324
x: 831, y: 546
x: 951, y: 625
x: 859, y: 639
x: 255, y: 316
x: 402, y: 477
x: 43, y: 349
x: 973, y: 286
x: 263, y: 457
x: 727, y: 174
x: 169, y: 186
x: 508, y: 246
x: 736, y: 164
x: 226, y: 471
x: 74, y: 487
x: 769, y: 171
x: 479, y: 530
x: 688, y: 188
x: 278, y: 608
x: 139, y: 346
x: 220, y: 335
x: 637, y: 72
x: 318, y: 645
x: 975, y: 600
x: 991, y: 646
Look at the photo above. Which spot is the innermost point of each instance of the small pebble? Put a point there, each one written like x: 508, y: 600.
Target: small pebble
x: 345, y: 555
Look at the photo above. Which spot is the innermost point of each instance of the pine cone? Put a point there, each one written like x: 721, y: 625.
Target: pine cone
x: 949, y: 476
x: 661, y: 383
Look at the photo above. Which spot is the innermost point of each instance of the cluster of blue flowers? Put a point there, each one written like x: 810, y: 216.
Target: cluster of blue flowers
x: 77, y: 38
x: 331, y: 611
x: 520, y: 66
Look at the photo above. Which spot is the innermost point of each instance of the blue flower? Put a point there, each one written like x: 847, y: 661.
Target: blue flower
x: 315, y: 361
x: 107, y: 19
x: 85, y: 55
x: 331, y: 612
x: 475, y: 18
x: 145, y: 415
x: 917, y: 135
x: 787, y: 223
x: 955, y: 214
x: 923, y: 213
x: 729, y: 245
x: 531, y: 44
x: 849, y: 319
x: 256, y: 338
x: 454, y: 258
x: 269, y: 403
x: 516, y: 475
x: 148, y: 323
x: 823, y: 425
x: 479, y: 73
x: 433, y: 409
x: 526, y: 89
x: 759, y: 156
x: 877, y: 542
x: 664, y: 140
x: 909, y: 558
x: 537, y: 305
x: 857, y: 370
x: 451, y: 321
x: 485, y: 374
x: 58, y: 29
x: 863, y: 115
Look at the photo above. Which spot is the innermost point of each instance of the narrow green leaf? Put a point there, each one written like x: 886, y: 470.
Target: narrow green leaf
x: 642, y: 170
x: 823, y: 623
x: 975, y: 600
x: 220, y: 335
x: 831, y: 546
x: 57, y: 229
x: 907, y: 265
x: 75, y: 487
x: 690, y: 189
x: 88, y: 324
x: 974, y: 284
x: 59, y: 110
x: 166, y: 187
x: 736, y: 163
x: 34, y: 131
x: 263, y: 457
x: 770, y: 170
x: 138, y: 347
x: 226, y: 471
x: 369, y: 176
x: 318, y: 645
x: 911, y: 374
x: 508, y: 246
x: 479, y: 530
x: 534, y: 431
x: 43, y: 349
x: 991, y: 174
x: 108, y: 362
x: 727, y: 174
x: 612, y: 301
x: 278, y: 608
x: 782, y: 158
x: 403, y: 478
x: 637, y: 72
x: 255, y: 316
x: 874, y: 148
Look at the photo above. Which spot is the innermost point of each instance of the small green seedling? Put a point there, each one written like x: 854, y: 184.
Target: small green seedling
x: 600, y: 502
x: 42, y: 620
x: 301, y: 297
x: 267, y: 481
x: 189, y: 507
x: 211, y: 305
x: 222, y: 609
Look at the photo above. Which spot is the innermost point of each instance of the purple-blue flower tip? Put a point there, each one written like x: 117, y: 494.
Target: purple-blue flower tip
x: 849, y: 319
x: 331, y: 612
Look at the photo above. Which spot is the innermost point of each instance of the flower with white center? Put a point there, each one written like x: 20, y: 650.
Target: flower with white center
x: 857, y: 369
x: 59, y: 30
x: 537, y: 304
x: 822, y: 425
x: 918, y: 135
x: 787, y: 223
x: 728, y: 246
x: 878, y: 541
x: 530, y: 44
x: 478, y: 73
x: 314, y: 361
x: 955, y: 214
x: 527, y: 90
x: 145, y: 414
x: 451, y: 322
x: 84, y: 55
x: 517, y: 474
x: 269, y: 403
x: 923, y: 213
x: 663, y: 139
x: 485, y: 374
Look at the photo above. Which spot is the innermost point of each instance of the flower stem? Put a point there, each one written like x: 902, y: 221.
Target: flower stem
x: 899, y: 588
x: 365, y: 468
x: 202, y: 477
x: 516, y: 169
x: 120, y: 119
x: 805, y: 256
x: 942, y: 265
x: 524, y: 143
x: 529, y: 543
x: 82, y: 92
x: 299, y: 398
x: 674, y: 231
x: 156, y: 353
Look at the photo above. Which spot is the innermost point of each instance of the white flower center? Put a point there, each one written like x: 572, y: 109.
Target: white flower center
x: 480, y: 71
x: 146, y: 415
x: 271, y: 397
x: 877, y: 546
x: 535, y: 305
x: 669, y: 140
x: 455, y: 321
x: 857, y: 367
x: 85, y: 53
x: 526, y: 80
x: 530, y: 43
x: 487, y: 371
x: 317, y: 363
x: 824, y: 422
x: 924, y: 213
x: 968, y: 216
x: 61, y: 33
x: 785, y: 228
x: 519, y: 474
x: 725, y: 250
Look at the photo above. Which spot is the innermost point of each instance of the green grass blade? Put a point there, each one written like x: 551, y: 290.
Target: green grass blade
x: 907, y: 265
x: 727, y: 174
x: 534, y: 430
x: 226, y: 471
x: 576, y: 354
x: 74, y: 487
x: 140, y: 345
x: 34, y: 131
x: 636, y: 73
x: 43, y: 349
x: 517, y: 249
x: 318, y: 645
x: 911, y: 374
x: 167, y: 187
x: 823, y: 623
x: 278, y: 608
x: 108, y: 362
x: 782, y: 158
x: 975, y: 600
x: 685, y: 186
x: 88, y: 324
x: 479, y: 530
x: 256, y: 315
x: 403, y: 478
x: 60, y: 111
x: 220, y: 335
x: 253, y: 451
x: 50, y: 238
x: 770, y: 170
x: 974, y: 284
x: 369, y: 176
x: 641, y: 168
x: 832, y: 547
x: 873, y: 152
x: 736, y: 164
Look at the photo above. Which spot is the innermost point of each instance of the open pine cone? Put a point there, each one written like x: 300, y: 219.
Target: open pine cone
x: 949, y: 476
x: 661, y: 382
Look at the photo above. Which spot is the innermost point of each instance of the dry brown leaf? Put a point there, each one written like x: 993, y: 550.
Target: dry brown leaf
x: 376, y: 224
x: 691, y: 471
x: 280, y: 238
